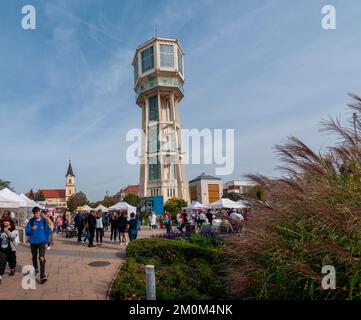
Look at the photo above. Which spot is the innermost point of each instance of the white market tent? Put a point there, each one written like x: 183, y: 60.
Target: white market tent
x: 7, y: 203
x: 30, y: 203
x: 243, y: 204
x: 86, y: 208
x: 124, y: 206
x: 226, y: 204
x: 102, y: 208
x: 13, y: 197
x: 196, y: 205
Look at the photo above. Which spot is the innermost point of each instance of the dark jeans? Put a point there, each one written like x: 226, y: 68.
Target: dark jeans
x: 35, y: 250
x: 91, y: 236
x: 99, y: 233
x: 7, y: 256
x: 133, y: 234
x: 169, y: 227
x: 113, y: 233
x: 80, y: 232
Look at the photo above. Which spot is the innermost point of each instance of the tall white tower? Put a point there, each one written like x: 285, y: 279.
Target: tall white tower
x: 158, y: 83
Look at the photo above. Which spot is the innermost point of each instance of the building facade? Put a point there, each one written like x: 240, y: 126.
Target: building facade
x: 59, y: 197
x: 206, y: 189
x: 158, y: 82
x: 238, y: 186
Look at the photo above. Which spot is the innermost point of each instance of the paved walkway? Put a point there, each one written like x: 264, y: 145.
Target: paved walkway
x: 69, y: 274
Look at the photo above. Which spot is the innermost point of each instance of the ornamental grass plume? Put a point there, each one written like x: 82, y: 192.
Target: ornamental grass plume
x: 311, y: 217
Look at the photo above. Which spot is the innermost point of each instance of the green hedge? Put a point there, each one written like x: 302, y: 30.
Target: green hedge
x: 184, y: 271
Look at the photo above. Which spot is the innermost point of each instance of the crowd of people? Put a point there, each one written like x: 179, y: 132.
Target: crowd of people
x: 90, y: 226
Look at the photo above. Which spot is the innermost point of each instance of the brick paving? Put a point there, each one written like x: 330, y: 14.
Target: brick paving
x: 70, y: 277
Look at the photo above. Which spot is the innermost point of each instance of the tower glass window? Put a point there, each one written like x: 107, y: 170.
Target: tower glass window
x: 154, y: 171
x: 180, y: 62
x: 136, y: 70
x: 153, y: 108
x: 147, y: 59
x: 166, y: 55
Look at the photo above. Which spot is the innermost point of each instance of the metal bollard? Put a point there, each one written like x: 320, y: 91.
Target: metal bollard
x: 150, y: 282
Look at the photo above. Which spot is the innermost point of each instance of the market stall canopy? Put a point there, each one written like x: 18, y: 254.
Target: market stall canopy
x: 243, y: 204
x: 6, y: 203
x: 86, y: 208
x: 124, y: 206
x: 102, y: 208
x: 13, y: 197
x: 196, y: 205
x: 30, y: 203
x: 226, y: 204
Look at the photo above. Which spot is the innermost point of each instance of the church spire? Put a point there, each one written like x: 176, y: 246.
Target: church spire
x: 70, y: 170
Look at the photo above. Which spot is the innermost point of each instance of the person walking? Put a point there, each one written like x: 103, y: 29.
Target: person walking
x: 46, y: 216
x: 167, y: 221
x: 8, y: 234
x: 99, y: 228
x: 91, y: 229
x: 209, y: 216
x: 113, y: 227
x: 180, y: 220
x: 153, y: 221
x: 133, y: 227
x: 122, y: 227
x: 79, y: 225
x: 38, y: 231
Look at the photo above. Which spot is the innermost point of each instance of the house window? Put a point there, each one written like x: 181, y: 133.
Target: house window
x: 180, y: 62
x: 166, y: 56
x: 147, y: 59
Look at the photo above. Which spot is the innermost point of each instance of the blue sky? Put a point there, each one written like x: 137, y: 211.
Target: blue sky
x: 265, y: 68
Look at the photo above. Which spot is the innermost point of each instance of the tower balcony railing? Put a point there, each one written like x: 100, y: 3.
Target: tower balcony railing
x: 170, y: 182
x: 159, y: 82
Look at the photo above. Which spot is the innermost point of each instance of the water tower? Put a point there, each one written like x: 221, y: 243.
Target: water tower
x: 158, y: 82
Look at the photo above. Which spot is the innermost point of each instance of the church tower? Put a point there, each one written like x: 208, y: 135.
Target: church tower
x: 158, y: 82
x: 70, y: 182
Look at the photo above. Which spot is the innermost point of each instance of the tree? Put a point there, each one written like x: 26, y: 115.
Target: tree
x: 5, y: 184
x: 31, y: 194
x: 40, y: 196
x: 232, y: 196
x: 109, y: 201
x: 131, y: 199
x: 173, y: 204
x: 77, y: 200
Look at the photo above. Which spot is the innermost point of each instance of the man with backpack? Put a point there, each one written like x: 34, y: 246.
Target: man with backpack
x: 167, y: 221
x: 38, y: 231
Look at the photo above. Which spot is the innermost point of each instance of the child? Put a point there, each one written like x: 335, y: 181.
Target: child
x: 8, y: 234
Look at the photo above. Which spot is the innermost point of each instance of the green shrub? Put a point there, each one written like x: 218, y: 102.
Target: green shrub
x: 184, y: 270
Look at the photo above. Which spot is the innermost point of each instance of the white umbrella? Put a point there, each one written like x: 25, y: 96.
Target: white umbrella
x: 226, y: 204
x: 196, y: 205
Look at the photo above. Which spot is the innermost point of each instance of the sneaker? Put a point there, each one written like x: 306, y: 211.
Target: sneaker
x: 1, y: 280
x: 48, y: 248
x: 12, y: 272
x: 43, y: 279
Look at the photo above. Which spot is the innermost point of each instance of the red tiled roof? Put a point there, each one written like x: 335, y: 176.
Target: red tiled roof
x: 51, y: 194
